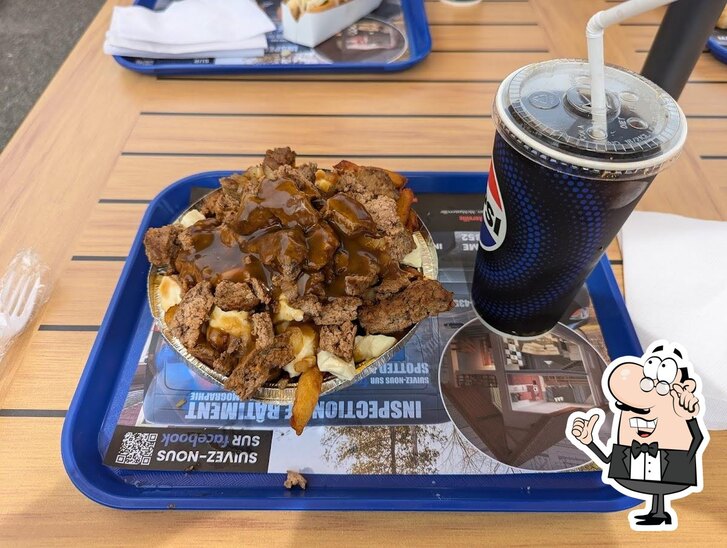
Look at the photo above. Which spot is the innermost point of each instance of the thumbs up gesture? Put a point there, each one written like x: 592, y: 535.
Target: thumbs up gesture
x: 583, y: 426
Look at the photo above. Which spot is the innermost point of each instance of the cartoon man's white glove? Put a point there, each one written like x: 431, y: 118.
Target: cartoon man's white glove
x: 686, y: 404
x: 583, y: 426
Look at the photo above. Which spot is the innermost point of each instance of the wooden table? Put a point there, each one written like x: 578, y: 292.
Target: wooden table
x: 102, y: 141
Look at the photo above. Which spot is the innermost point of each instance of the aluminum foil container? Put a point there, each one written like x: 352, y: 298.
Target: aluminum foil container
x: 270, y: 392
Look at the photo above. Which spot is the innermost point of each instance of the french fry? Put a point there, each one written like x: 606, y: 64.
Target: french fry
x: 295, y: 8
x: 412, y: 223
x: 397, y: 178
x: 301, y: 366
x: 306, y: 398
x: 322, y: 7
x: 403, y: 204
x: 307, y: 6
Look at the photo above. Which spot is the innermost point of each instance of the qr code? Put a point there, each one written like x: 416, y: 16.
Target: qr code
x: 136, y: 448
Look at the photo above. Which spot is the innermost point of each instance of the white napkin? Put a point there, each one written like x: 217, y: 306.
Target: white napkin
x: 218, y: 55
x: 188, y: 28
x: 675, y: 277
x: 133, y: 48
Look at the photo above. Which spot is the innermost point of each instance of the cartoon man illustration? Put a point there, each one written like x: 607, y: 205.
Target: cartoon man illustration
x: 658, y: 436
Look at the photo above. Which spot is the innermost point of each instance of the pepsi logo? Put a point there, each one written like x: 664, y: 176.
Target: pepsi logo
x: 494, y: 222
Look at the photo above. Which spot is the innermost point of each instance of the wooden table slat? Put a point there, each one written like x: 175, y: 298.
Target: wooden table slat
x: 507, y: 13
x: 640, y: 37
x: 492, y: 38
x: 399, y: 99
x: 110, y: 230
x: 73, y: 302
x: 356, y: 136
x: 708, y: 68
x: 312, y: 136
x: 393, y: 98
x: 144, y: 176
x: 50, y: 369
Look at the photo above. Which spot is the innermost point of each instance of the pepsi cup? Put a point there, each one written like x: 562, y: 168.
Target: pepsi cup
x: 560, y: 189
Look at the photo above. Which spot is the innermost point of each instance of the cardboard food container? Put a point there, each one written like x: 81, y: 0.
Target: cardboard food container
x: 313, y: 28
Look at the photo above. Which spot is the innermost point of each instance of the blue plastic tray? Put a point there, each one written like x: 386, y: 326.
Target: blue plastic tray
x: 717, y: 44
x: 418, y: 39
x: 103, y: 387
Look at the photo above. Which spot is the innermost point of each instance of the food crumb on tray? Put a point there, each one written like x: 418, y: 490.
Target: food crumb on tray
x: 293, y: 479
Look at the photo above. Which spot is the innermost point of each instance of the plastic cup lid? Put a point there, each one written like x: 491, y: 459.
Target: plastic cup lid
x: 549, y: 102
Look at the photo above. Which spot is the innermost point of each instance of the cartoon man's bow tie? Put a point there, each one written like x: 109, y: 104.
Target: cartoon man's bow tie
x: 638, y: 448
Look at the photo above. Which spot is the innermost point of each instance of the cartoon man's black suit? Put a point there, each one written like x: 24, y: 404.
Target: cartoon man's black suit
x: 678, y: 471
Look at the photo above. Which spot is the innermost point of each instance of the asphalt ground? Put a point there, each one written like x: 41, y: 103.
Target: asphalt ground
x: 35, y: 38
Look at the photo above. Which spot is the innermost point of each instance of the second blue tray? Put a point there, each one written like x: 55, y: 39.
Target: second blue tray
x: 418, y: 39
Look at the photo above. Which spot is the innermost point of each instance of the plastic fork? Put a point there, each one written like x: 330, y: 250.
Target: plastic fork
x: 18, y: 299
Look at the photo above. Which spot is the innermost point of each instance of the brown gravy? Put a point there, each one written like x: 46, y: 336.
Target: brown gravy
x: 280, y: 225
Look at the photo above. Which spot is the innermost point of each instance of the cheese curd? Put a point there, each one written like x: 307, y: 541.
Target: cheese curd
x: 190, y: 218
x: 305, y: 342
x: 170, y: 293
x: 414, y: 257
x: 286, y: 313
x: 235, y: 322
x: 330, y: 363
x: 371, y: 346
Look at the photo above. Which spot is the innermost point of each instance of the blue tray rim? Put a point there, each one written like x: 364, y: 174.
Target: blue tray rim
x: 602, y: 285
x: 717, y: 49
x: 418, y: 37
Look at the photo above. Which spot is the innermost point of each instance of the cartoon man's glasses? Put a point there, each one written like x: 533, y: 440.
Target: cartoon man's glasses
x: 659, y: 374
x: 662, y: 387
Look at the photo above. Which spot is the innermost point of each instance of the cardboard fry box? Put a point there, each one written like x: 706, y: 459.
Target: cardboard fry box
x: 313, y: 28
